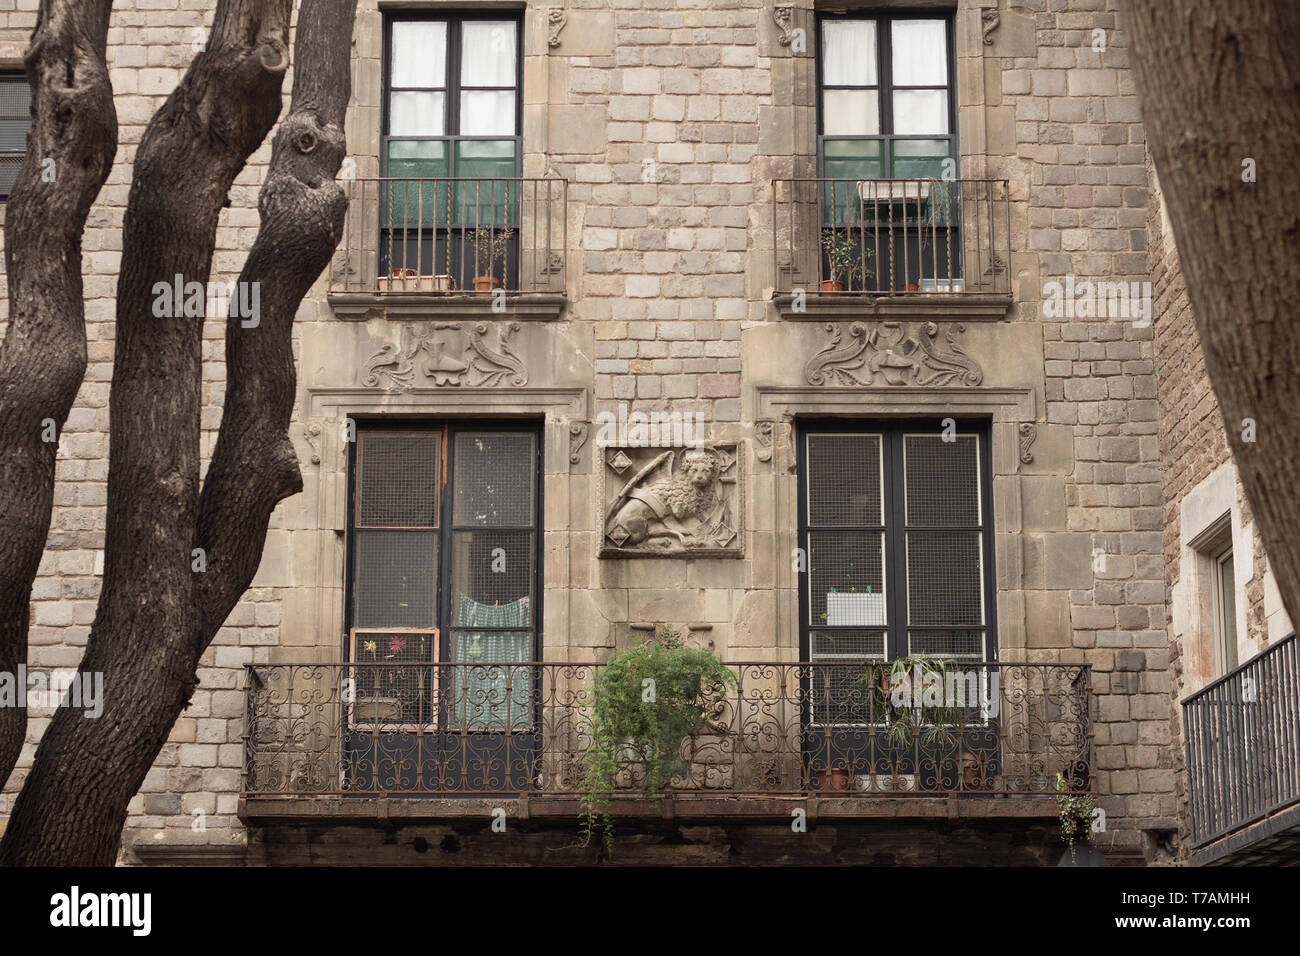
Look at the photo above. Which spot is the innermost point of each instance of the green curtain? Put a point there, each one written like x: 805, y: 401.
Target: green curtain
x: 481, y: 700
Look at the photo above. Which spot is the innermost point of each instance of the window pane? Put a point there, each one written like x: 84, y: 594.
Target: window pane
x: 944, y: 582
x: 488, y: 53
x: 942, y: 479
x: 846, y: 578
x: 920, y: 52
x: 920, y: 112
x: 409, y: 201
x: 853, y: 160
x: 13, y: 134
x: 850, y: 112
x: 491, y: 574
x: 395, y: 579
x: 397, y: 479
x: 416, y: 114
x: 494, y: 479
x: 922, y: 159
x: 419, y: 52
x: 847, y: 645
x: 844, y: 480
x: 949, y: 643
x: 487, y: 113
x: 849, y: 52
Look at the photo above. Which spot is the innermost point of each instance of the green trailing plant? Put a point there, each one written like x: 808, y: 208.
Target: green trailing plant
x: 645, y: 702
x: 906, y: 715
x: 1076, y: 811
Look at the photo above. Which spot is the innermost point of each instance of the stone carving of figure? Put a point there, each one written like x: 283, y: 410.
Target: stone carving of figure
x: 670, y: 507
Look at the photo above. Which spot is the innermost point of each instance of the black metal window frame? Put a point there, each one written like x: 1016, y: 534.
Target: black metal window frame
x: 885, y: 86
x: 895, y: 527
x: 446, y: 527
x: 16, y: 78
x: 453, y: 88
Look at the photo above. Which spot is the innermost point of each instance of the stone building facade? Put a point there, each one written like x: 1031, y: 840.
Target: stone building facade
x: 1224, y: 605
x: 679, y: 275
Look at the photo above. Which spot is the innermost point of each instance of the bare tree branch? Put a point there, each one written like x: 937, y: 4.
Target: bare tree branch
x: 43, y: 360
x: 1218, y: 91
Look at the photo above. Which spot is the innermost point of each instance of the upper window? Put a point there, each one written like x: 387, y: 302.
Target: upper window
x: 452, y: 107
x: 887, y: 108
x: 15, y: 123
x: 898, y: 534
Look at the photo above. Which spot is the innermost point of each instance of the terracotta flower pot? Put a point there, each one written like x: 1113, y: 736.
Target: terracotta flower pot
x: 483, y: 284
x: 836, y: 780
x: 831, y: 286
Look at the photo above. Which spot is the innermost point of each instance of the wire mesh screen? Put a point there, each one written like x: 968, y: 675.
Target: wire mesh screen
x: 847, y: 645
x: 944, y: 578
x: 402, y: 695
x: 15, y: 122
x: 953, y: 643
x: 844, y: 480
x: 846, y: 578
x: 395, y: 578
x: 493, y: 568
x: 942, y: 480
x: 397, y: 479
x: 494, y: 479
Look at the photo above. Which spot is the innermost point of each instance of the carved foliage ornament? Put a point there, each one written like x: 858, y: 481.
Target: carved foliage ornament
x: 784, y: 19
x: 556, y: 18
x: 890, y: 353
x: 676, y: 502
x: 990, y: 18
x: 1028, y: 432
x: 448, y: 354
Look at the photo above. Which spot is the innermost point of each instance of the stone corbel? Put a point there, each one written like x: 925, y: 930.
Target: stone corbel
x: 989, y: 20
x: 783, y: 16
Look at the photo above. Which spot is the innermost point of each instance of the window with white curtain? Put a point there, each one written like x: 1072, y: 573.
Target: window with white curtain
x: 886, y: 96
x: 451, y: 106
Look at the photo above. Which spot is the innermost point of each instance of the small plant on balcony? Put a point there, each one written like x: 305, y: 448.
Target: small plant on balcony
x: 904, y: 706
x: 1076, y: 810
x: 491, y: 246
x: 645, y: 703
x: 844, y: 258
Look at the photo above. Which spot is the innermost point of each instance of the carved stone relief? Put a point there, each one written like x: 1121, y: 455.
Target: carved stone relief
x: 448, y: 354
x: 672, y: 502
x: 556, y: 18
x: 894, y: 353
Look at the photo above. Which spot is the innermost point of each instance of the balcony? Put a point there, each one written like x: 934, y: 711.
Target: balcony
x: 898, y: 248
x: 452, y: 246
x: 425, y: 741
x: 1243, y: 763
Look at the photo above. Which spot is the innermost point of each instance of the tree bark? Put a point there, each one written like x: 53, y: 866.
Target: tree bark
x: 85, y: 771
x: 43, y: 360
x: 1217, y: 85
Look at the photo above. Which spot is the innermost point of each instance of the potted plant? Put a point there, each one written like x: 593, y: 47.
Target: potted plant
x: 898, y: 703
x: 844, y: 259
x: 491, y: 246
x: 645, y: 703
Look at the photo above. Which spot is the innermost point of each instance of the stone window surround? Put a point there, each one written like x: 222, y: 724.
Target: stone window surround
x: 564, y: 412
x: 1007, y: 409
x: 1209, y: 514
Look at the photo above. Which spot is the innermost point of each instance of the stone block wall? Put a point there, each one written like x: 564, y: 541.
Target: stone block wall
x: 669, y: 119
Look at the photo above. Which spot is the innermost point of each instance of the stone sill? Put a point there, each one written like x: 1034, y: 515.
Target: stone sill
x: 528, y: 307
x: 327, y: 808
x: 940, y: 306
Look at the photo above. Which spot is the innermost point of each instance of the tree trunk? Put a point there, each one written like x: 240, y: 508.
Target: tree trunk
x: 156, y: 615
x: 43, y: 359
x: 1217, y: 84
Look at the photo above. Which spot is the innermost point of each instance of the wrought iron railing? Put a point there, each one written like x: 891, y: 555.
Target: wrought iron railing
x: 453, y: 237
x: 1243, y: 744
x: 784, y: 729
x: 891, y: 236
